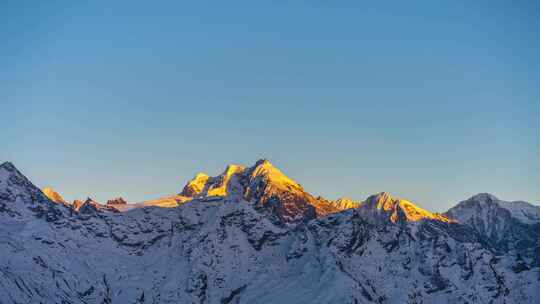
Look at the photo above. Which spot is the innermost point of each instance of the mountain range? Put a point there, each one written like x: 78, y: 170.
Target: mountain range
x: 253, y: 235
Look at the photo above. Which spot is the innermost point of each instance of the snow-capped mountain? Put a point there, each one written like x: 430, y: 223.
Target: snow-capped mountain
x: 250, y: 235
x: 266, y: 187
x: 384, y: 207
x: 509, y: 227
x: 485, y: 207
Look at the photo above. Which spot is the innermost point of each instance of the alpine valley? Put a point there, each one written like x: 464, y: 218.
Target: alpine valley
x: 253, y: 235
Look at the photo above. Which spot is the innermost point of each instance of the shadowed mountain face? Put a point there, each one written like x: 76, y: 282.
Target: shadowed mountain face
x: 252, y: 235
x: 506, y: 226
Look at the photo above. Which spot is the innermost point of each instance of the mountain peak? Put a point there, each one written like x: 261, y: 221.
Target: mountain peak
x: 265, y: 170
x: 196, y: 185
x: 484, y: 197
x: 263, y: 185
x: 229, y: 182
x: 89, y: 206
x: 8, y: 172
x: 8, y: 166
x: 16, y: 188
x: 233, y: 169
x: 398, y: 210
x: 344, y: 203
x: 116, y: 201
x: 9, y: 169
x: 53, y: 195
x: 488, y: 208
x: 263, y: 162
x: 382, y: 201
x: 201, y: 175
x: 226, y: 183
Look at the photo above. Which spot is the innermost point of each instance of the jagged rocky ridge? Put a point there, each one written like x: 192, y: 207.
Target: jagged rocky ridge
x: 260, y: 239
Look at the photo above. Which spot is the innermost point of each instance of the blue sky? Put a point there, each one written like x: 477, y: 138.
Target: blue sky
x: 432, y: 102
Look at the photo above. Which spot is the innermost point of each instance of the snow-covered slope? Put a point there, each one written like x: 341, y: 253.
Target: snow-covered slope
x: 525, y: 212
x: 230, y: 249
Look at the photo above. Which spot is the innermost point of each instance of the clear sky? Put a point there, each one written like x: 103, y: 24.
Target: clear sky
x: 432, y: 101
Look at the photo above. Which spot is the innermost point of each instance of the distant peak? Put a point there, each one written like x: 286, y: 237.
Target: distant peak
x: 196, y: 185
x: 263, y: 162
x: 54, y: 196
x: 486, y: 206
x: 382, y: 201
x: 204, y: 185
x: 398, y: 209
x: 200, y: 175
x: 116, y: 201
x: 477, y: 202
x: 344, y: 203
x: 484, y: 197
x: 77, y: 204
x: 89, y: 206
x: 229, y: 182
x: 264, y: 169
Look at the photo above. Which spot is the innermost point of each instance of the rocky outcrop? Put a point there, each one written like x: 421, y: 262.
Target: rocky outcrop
x: 116, y: 201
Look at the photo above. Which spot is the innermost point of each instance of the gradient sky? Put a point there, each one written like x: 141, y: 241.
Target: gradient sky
x: 429, y: 101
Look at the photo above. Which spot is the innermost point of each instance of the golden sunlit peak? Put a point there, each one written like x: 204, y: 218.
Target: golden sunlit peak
x: 344, y: 202
x: 200, y: 175
x: 344, y: 199
x: 400, y: 208
x: 232, y: 180
x: 220, y: 185
x: 382, y: 201
x: 53, y: 195
x: 196, y: 185
x: 232, y: 169
x: 264, y: 168
x: 204, y: 185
